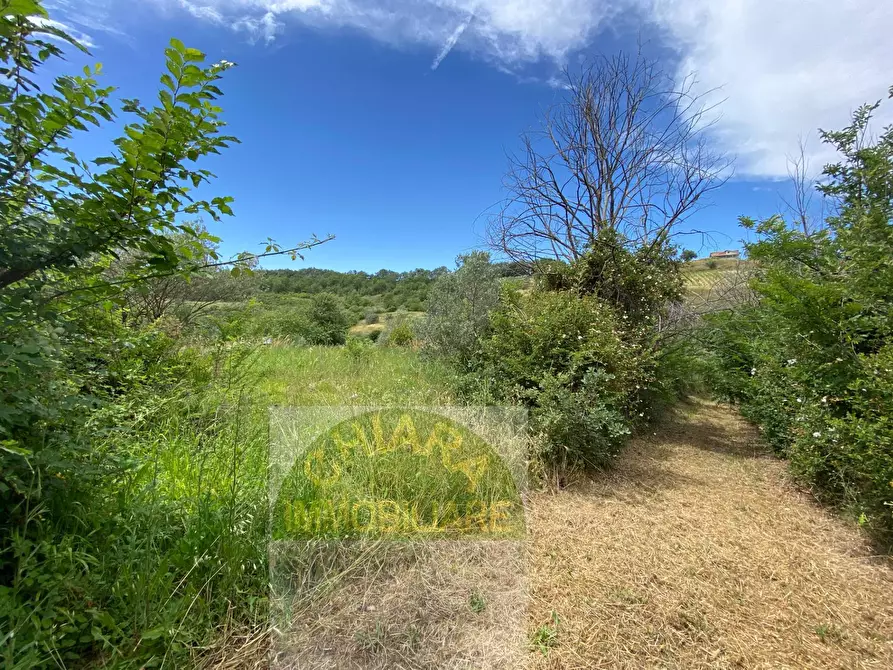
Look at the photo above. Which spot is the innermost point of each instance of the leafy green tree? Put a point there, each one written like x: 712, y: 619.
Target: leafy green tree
x: 64, y: 219
x: 97, y: 565
x: 688, y: 255
x: 327, y: 321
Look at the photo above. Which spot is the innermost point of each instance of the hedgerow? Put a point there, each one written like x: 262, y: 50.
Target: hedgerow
x: 810, y: 361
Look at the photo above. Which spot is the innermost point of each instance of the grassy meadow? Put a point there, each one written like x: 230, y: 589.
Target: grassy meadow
x: 206, y: 462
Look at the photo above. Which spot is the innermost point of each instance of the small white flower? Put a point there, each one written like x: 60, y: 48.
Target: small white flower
x: 825, y: 399
x: 816, y: 434
x: 641, y: 413
x: 799, y: 399
x: 830, y: 430
x: 753, y: 371
x: 791, y: 361
x: 579, y: 337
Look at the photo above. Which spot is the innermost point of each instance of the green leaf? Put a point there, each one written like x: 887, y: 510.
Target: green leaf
x: 178, y: 45
x: 194, y: 55
x: 23, y: 8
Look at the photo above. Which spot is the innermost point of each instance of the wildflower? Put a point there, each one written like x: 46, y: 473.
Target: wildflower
x: 791, y: 361
x: 825, y: 399
x: 799, y: 399
x: 753, y: 371
x: 816, y: 434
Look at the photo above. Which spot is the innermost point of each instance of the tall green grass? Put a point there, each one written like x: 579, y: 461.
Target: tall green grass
x: 336, y: 376
x: 162, y: 560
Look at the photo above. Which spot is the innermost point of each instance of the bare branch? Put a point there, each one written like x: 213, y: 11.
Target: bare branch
x: 625, y: 152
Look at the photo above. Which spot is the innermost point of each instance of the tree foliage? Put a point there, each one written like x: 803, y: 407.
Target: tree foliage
x: 810, y: 361
x: 97, y: 564
x: 459, y: 308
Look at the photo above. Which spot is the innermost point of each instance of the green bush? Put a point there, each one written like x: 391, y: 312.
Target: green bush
x: 327, y: 322
x: 359, y: 348
x: 400, y: 334
x: 567, y: 358
x: 811, y: 362
x: 641, y: 282
x: 459, y: 306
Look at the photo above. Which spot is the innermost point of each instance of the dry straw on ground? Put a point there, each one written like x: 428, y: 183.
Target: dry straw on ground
x: 385, y: 605
x: 696, y: 552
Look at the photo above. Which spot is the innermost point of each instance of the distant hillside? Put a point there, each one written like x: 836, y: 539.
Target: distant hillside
x: 716, y: 281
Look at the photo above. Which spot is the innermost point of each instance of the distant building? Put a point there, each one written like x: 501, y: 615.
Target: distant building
x: 725, y: 254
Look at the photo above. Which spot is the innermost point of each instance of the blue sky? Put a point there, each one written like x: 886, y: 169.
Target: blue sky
x: 388, y: 123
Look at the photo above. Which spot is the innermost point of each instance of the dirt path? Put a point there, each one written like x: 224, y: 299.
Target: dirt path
x: 696, y: 552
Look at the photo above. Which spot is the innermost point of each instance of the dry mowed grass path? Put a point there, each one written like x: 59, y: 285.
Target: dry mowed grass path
x: 697, y: 552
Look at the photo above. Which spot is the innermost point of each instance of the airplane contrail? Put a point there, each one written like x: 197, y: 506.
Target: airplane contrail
x: 451, y: 41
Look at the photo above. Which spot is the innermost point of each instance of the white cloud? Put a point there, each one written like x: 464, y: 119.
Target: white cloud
x: 78, y: 35
x: 451, y: 42
x: 783, y: 67
x: 266, y: 27
x: 206, y: 12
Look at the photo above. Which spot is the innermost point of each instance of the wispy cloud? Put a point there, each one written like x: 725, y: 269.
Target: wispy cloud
x: 782, y: 67
x: 265, y: 28
x: 93, y: 15
x: 78, y: 35
x: 199, y: 11
x: 451, y: 41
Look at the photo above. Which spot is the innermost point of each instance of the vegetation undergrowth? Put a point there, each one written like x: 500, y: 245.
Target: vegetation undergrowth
x: 808, y: 358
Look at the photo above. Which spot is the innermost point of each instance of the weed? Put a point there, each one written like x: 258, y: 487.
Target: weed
x: 372, y: 641
x: 477, y: 602
x: 829, y: 633
x: 545, y: 637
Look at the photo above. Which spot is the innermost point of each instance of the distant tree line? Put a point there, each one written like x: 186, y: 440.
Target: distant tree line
x: 393, y: 289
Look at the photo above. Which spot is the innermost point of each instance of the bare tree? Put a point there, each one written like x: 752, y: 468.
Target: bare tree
x: 804, y: 188
x: 624, y: 153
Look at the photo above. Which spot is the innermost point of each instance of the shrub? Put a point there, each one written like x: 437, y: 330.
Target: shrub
x: 641, y: 282
x: 811, y: 361
x: 400, y: 334
x: 327, y: 322
x: 711, y: 264
x: 564, y: 356
x: 371, y: 317
x: 459, y: 304
x: 358, y: 348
